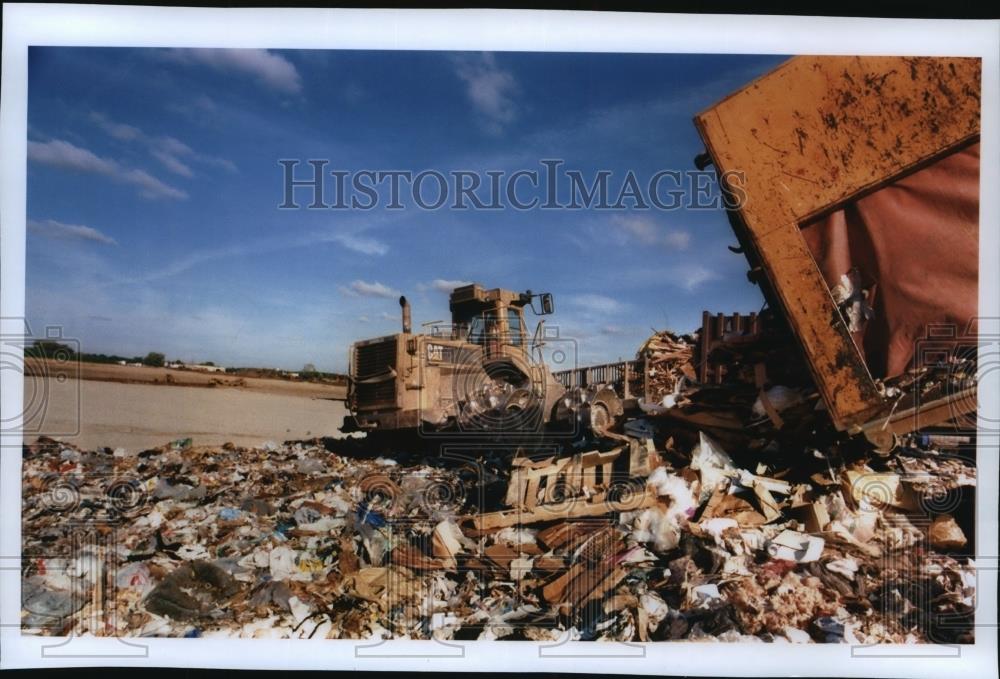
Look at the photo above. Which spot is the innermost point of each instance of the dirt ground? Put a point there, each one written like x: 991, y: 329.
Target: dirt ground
x: 139, y: 409
x: 127, y: 374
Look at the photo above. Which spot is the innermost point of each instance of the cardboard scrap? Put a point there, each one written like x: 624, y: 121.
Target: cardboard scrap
x: 944, y: 533
x: 790, y: 545
x: 879, y: 490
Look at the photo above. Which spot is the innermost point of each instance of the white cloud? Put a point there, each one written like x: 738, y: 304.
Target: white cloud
x: 692, y: 276
x: 490, y: 88
x: 361, y: 244
x: 189, y: 261
x: 599, y: 303
x: 272, y: 70
x: 446, y: 286
x: 195, y: 258
x: 50, y: 228
x: 613, y: 330
x: 205, y: 103
x: 168, y: 150
x: 117, y: 130
x: 365, y: 289
x: 646, y: 231
x: 685, y: 275
x: 173, y: 164
x: 201, y: 109
x: 173, y: 146
x: 150, y: 186
x: 62, y: 154
x: 677, y: 239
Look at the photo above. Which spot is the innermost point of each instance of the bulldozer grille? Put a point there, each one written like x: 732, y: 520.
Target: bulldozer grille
x: 373, y: 360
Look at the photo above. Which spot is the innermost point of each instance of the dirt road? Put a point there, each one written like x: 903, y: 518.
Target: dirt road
x: 139, y: 416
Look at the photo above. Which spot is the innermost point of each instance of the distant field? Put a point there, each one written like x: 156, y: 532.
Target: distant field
x: 109, y: 372
x: 138, y: 407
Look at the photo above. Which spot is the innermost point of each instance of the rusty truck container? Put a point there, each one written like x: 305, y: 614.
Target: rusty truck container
x: 853, y: 188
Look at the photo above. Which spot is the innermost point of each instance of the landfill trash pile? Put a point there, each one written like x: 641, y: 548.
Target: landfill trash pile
x: 755, y: 390
x: 669, y: 364
x: 223, y: 540
x: 651, y: 540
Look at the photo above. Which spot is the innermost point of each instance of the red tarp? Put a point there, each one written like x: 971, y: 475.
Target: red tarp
x: 915, y: 247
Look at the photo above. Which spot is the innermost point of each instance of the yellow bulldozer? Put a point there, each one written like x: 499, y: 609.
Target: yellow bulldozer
x: 481, y: 375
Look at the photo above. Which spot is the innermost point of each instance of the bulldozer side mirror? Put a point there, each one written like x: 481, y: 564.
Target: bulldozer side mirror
x: 548, y: 306
x: 544, y: 299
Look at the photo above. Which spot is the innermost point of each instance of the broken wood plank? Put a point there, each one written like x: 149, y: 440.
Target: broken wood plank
x: 768, y: 505
x: 516, y: 488
x: 640, y: 453
x: 590, y: 478
x: 555, y: 591
x: 550, y: 564
x: 771, y: 484
x: 605, y: 585
x: 814, y: 515
x: 501, y: 555
x: 556, y: 536
x: 569, y: 509
x: 530, y: 498
x: 412, y: 558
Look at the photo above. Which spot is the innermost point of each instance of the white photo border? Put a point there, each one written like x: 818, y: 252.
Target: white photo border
x: 483, y: 30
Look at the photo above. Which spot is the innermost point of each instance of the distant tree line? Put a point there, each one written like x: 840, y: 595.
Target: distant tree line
x: 60, y: 350
x: 277, y: 374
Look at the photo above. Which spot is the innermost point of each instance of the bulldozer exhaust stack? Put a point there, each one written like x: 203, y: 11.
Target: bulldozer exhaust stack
x: 405, y: 305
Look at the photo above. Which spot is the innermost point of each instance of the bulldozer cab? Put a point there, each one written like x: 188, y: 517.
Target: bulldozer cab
x: 492, y: 319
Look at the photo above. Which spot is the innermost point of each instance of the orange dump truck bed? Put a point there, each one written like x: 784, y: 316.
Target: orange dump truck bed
x: 855, y: 189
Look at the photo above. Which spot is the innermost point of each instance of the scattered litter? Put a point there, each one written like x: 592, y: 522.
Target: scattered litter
x: 714, y: 465
x: 792, y: 546
x: 945, y: 534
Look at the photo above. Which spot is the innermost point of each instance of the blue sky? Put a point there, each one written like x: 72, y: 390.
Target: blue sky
x: 153, y: 193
